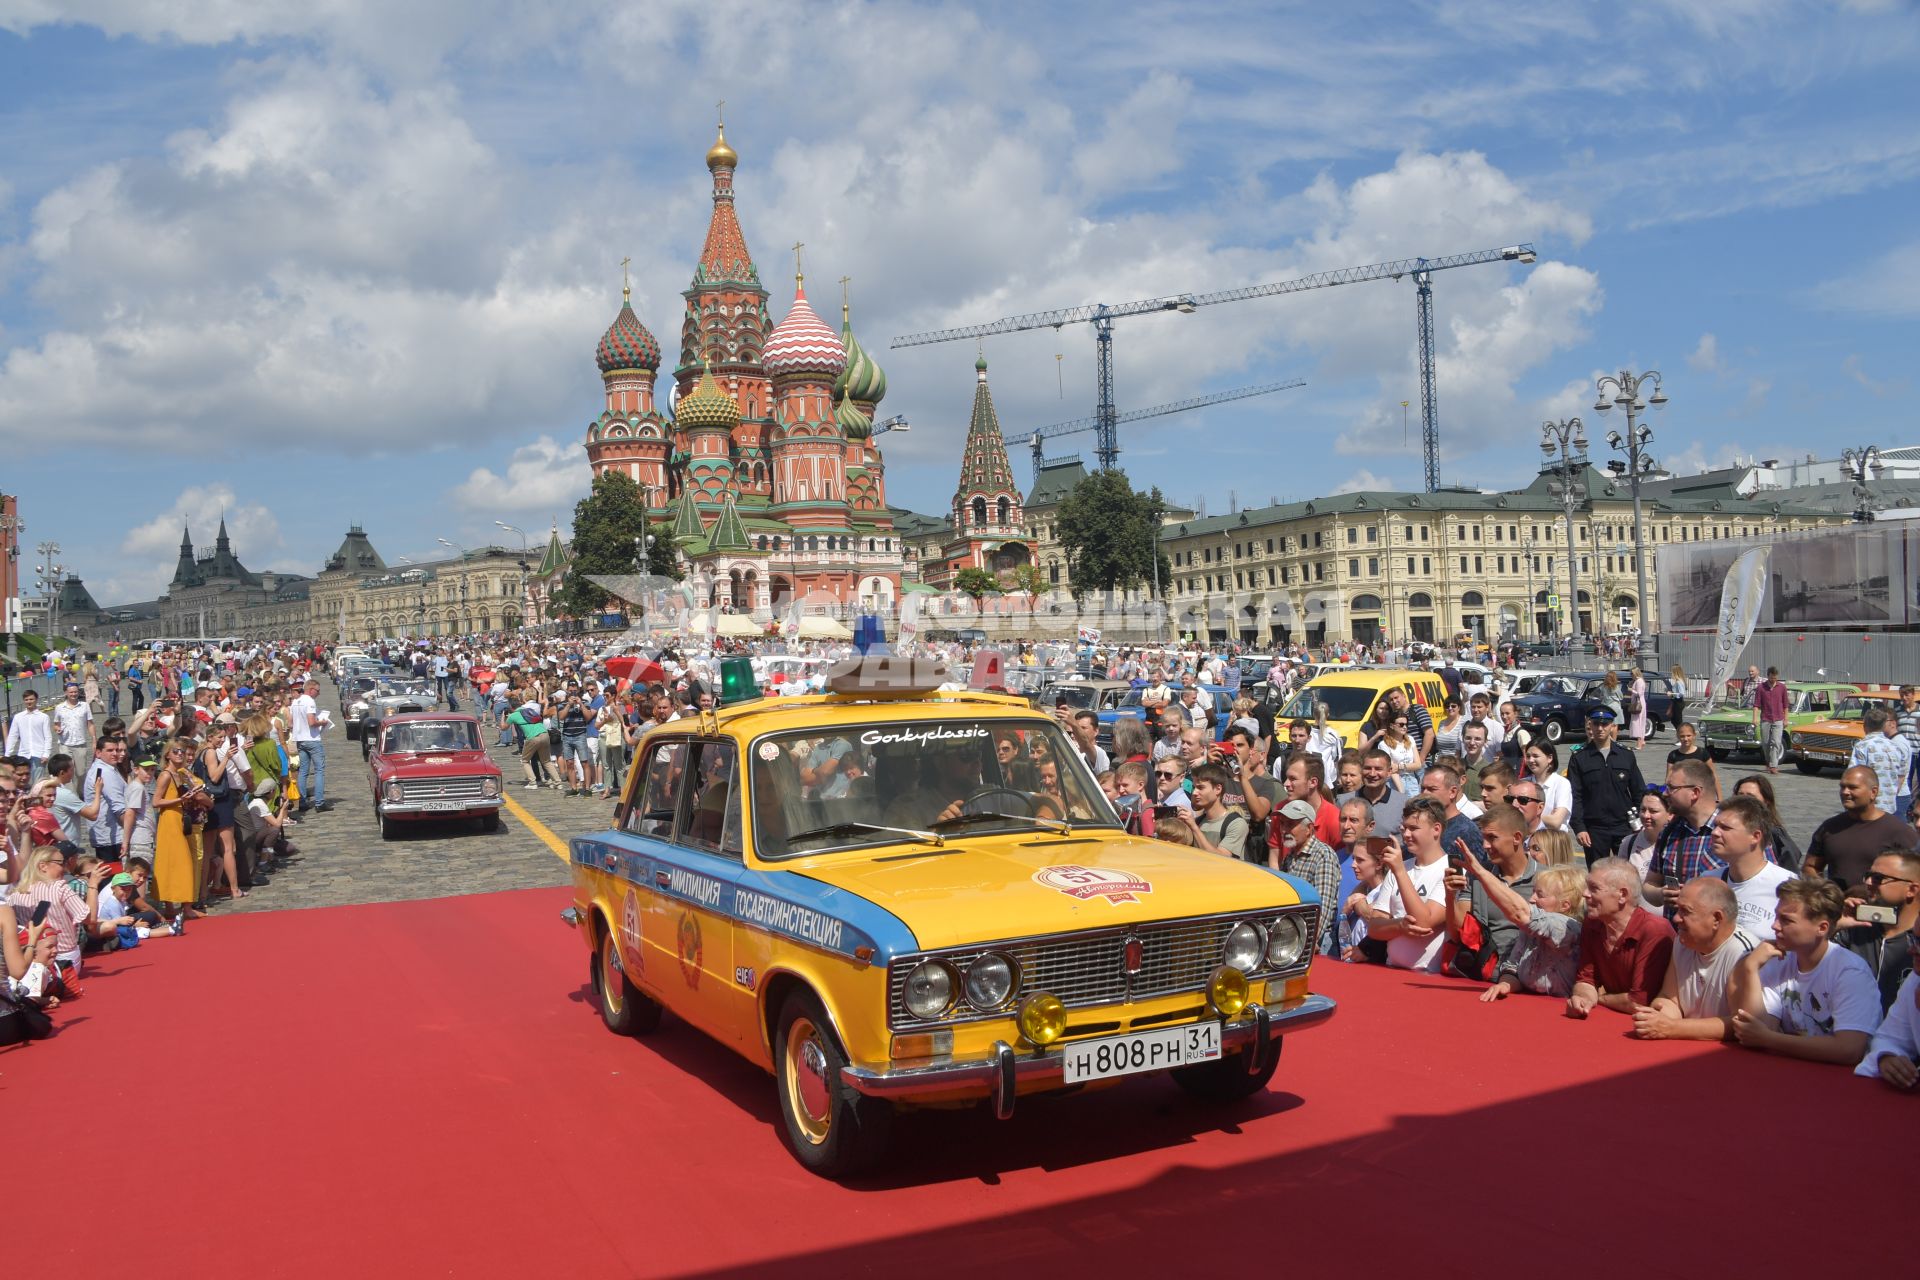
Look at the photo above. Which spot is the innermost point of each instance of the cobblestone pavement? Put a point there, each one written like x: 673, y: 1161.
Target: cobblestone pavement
x: 343, y: 860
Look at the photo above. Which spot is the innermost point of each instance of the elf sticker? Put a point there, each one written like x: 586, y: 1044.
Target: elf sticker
x: 1093, y: 882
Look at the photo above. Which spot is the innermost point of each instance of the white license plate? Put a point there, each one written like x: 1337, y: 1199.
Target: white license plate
x: 1145, y: 1051
x: 442, y: 806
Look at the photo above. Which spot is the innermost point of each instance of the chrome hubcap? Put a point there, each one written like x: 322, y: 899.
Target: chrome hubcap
x: 610, y: 977
x: 807, y: 1081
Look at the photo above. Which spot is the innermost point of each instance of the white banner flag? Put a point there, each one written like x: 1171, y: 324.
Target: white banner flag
x: 1740, y: 598
x: 909, y: 621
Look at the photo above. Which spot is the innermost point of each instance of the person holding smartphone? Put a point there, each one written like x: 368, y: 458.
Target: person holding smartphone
x: 1882, y: 915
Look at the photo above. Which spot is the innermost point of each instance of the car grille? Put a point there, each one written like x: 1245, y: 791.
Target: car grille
x: 1087, y: 970
x: 1838, y: 743
x: 442, y: 789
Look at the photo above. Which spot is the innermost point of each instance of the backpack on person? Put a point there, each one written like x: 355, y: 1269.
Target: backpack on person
x: 1472, y: 954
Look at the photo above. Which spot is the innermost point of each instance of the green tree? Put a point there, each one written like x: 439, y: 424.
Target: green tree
x: 1111, y: 534
x: 975, y: 582
x: 607, y: 524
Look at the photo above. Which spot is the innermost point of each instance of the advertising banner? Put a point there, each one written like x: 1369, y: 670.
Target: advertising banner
x: 1740, y: 599
x: 1859, y: 575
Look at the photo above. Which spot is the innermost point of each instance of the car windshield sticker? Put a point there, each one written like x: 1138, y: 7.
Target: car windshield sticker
x: 769, y: 752
x: 1093, y: 882
x: 874, y: 737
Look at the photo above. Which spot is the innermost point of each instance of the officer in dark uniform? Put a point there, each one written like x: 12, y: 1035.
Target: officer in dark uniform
x: 1607, y: 787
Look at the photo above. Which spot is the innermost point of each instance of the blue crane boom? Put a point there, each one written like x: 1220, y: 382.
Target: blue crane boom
x: 1038, y: 438
x: 1102, y: 316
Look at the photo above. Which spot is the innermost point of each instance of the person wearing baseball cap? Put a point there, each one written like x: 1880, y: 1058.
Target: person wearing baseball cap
x: 1299, y: 852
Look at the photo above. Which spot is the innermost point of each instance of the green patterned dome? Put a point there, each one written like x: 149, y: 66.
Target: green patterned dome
x: 862, y: 381
x: 627, y: 344
x: 707, y: 407
x: 853, y: 424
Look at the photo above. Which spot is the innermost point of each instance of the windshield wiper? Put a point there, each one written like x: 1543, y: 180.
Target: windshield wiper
x: 854, y: 828
x: 1044, y: 824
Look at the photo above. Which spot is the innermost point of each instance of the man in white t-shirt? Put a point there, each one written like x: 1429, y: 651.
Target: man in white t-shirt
x: 307, y: 724
x: 1417, y: 901
x: 1800, y: 995
x: 1896, y: 1045
x: 1740, y: 833
x: 73, y: 727
x: 1692, y: 1004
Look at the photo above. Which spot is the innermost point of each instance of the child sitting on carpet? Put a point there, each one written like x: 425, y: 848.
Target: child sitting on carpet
x: 1546, y: 956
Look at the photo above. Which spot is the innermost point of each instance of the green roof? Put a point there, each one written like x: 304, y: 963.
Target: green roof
x: 1055, y: 481
x: 728, y: 534
x: 555, y: 558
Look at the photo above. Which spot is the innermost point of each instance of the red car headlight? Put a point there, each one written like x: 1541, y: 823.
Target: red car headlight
x: 490, y: 788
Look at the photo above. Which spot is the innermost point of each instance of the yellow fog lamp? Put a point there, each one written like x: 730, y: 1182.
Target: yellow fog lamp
x: 1227, y: 990
x: 1043, y: 1018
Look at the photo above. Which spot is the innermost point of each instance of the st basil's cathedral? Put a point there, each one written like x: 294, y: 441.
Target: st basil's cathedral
x: 766, y: 467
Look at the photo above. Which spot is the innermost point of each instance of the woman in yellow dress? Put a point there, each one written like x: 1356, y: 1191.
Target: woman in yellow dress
x: 176, y: 862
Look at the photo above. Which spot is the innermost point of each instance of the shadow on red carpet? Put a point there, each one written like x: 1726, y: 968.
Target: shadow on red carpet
x: 425, y: 1087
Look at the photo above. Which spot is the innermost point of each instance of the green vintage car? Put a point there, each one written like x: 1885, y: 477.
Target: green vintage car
x: 1731, y: 727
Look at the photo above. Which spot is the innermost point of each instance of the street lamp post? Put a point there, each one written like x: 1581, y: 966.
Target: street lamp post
x: 521, y: 611
x: 1860, y: 465
x: 1531, y: 615
x: 1568, y: 438
x: 1626, y: 394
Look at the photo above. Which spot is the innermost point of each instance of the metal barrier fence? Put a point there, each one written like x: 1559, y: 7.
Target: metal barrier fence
x: 1872, y: 657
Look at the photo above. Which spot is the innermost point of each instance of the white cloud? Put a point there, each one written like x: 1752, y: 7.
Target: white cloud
x: 1887, y: 286
x: 1857, y: 370
x: 1364, y: 480
x: 544, y: 478
x: 149, y: 551
x: 1706, y: 356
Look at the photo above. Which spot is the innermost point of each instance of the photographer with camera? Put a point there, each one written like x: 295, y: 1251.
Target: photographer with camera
x: 1880, y: 920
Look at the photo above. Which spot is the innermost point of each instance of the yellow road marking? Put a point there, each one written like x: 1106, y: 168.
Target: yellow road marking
x: 539, y: 828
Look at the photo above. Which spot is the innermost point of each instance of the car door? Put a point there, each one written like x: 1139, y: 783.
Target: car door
x: 688, y: 882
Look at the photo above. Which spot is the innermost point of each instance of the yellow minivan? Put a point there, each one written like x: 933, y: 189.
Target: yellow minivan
x: 1350, y: 697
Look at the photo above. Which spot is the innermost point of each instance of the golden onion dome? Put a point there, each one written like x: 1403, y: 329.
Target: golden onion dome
x: 707, y: 407
x: 722, y: 156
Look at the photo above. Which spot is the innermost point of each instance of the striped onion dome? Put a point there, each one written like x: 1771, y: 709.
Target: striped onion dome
x: 627, y: 344
x: 707, y: 407
x: 863, y: 382
x: 853, y: 423
x: 803, y: 344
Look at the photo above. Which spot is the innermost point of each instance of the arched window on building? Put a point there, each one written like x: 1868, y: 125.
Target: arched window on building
x: 979, y: 511
x: 1005, y: 511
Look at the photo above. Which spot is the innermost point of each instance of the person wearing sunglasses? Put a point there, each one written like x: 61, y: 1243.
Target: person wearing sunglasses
x: 1890, y: 887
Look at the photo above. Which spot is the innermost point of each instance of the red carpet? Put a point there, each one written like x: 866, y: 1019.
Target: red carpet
x: 421, y: 1088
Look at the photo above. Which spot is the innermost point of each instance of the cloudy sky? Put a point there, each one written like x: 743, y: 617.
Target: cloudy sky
x: 310, y: 262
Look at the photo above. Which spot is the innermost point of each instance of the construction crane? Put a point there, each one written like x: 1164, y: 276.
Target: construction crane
x: 1101, y: 316
x: 1039, y: 438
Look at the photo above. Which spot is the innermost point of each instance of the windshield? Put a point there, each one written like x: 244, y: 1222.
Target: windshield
x: 1856, y: 708
x: 405, y: 688
x: 957, y: 778
x: 1074, y: 695
x: 430, y: 735
x: 1343, y: 702
x: 1558, y: 686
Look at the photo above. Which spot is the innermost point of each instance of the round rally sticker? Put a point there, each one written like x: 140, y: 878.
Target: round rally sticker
x: 769, y: 752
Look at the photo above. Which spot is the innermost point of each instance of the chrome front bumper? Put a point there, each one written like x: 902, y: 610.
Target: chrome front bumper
x: 428, y: 809
x: 1004, y: 1069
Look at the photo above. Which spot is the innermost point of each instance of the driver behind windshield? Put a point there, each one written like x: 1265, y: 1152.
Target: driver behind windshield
x: 949, y: 773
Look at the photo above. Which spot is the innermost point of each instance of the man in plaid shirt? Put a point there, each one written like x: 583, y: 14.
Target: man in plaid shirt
x: 1685, y: 850
x: 1909, y: 714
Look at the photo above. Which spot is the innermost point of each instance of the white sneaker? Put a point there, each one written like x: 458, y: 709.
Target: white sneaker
x: 529, y: 786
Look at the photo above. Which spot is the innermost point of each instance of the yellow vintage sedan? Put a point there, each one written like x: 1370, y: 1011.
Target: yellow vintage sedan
x: 890, y: 896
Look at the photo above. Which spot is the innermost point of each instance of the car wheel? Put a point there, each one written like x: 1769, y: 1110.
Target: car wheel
x: 1227, y: 1079
x: 490, y: 822
x: 1555, y: 731
x: 624, y: 1010
x: 833, y: 1131
x: 1716, y: 753
x: 388, y: 827
x: 1811, y: 768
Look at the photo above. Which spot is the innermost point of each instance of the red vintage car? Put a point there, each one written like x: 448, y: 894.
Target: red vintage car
x: 429, y: 765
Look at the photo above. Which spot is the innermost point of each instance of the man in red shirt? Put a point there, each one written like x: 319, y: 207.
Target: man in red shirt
x: 1623, y: 950
x: 1770, y: 704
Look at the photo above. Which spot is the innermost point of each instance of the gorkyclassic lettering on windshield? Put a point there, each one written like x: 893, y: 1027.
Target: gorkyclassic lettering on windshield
x: 874, y: 737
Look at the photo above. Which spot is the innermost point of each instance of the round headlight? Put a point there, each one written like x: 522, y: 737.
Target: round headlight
x: 1227, y: 990
x: 930, y: 988
x: 394, y: 793
x: 1245, y: 945
x: 1043, y: 1018
x: 989, y: 982
x: 490, y: 787
x: 1286, y: 942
